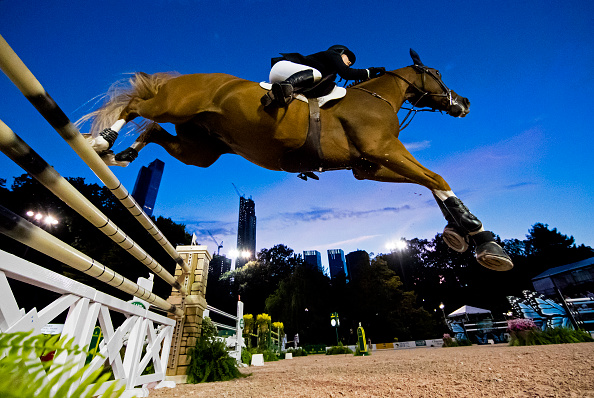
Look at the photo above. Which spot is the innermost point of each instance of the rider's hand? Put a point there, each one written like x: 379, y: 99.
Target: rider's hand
x: 376, y: 71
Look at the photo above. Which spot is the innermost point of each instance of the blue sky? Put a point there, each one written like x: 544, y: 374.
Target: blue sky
x: 523, y: 154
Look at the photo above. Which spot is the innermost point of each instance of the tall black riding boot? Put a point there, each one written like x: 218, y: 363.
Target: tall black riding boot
x: 283, y: 91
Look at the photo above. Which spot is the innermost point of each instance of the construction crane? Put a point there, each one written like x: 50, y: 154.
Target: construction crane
x: 237, y: 190
x: 219, y: 245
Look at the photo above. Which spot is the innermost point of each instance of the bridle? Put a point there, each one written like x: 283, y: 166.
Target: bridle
x: 446, y: 92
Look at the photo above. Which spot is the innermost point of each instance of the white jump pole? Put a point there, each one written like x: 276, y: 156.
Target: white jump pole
x: 31, y: 235
x: 26, y: 82
x: 22, y: 154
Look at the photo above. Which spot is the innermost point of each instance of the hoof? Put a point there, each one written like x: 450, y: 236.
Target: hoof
x: 127, y: 155
x: 492, y: 256
x: 454, y: 239
x: 110, y: 160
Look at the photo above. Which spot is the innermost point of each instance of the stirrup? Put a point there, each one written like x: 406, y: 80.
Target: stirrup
x: 283, y: 93
x: 267, y: 99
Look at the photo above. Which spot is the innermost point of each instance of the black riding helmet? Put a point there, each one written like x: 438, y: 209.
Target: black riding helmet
x: 340, y: 49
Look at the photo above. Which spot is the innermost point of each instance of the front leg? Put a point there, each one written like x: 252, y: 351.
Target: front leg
x: 463, y: 226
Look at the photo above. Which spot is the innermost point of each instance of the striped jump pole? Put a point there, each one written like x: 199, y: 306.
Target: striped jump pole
x: 31, y: 235
x: 22, y: 154
x: 28, y: 84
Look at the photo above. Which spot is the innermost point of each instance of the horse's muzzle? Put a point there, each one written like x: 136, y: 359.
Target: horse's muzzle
x: 460, y: 107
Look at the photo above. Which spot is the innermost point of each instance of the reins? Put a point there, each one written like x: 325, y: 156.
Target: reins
x: 404, y: 124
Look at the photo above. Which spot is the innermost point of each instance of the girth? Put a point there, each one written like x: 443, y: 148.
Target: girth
x: 309, y: 156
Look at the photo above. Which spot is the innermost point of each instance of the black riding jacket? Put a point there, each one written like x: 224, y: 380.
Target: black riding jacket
x: 327, y: 62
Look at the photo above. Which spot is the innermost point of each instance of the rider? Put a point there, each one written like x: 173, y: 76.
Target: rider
x: 294, y: 73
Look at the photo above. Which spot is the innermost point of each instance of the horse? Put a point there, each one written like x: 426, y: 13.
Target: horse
x: 216, y: 114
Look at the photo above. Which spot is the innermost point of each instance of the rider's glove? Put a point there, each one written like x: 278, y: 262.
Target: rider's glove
x: 376, y: 71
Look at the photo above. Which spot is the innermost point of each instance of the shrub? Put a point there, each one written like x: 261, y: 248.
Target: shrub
x: 339, y: 349
x: 20, y: 377
x: 268, y: 355
x: 210, y: 360
x: 246, y: 356
x: 536, y: 336
x: 359, y: 353
x: 299, y: 352
x: 520, y: 324
x: 448, y: 341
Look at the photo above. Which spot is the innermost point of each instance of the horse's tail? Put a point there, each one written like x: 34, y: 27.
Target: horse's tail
x: 140, y: 85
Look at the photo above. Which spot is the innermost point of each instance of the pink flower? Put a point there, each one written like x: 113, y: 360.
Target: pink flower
x: 517, y: 325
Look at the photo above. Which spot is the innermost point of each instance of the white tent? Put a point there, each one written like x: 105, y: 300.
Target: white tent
x: 468, y: 310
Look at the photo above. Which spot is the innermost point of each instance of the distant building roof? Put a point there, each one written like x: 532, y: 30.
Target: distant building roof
x: 565, y: 268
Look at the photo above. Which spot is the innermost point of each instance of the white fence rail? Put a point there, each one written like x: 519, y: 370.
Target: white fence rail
x: 141, y: 331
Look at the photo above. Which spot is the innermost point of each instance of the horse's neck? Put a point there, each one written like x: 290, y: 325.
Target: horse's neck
x: 391, y: 87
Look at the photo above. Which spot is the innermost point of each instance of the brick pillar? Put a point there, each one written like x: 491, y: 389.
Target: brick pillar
x: 187, y: 329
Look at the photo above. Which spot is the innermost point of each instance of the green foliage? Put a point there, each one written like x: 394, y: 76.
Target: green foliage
x: 210, y: 360
x: 359, y: 353
x: 549, y: 336
x: 299, y: 352
x: 246, y: 356
x: 20, y: 377
x: 339, y: 349
x: 268, y: 355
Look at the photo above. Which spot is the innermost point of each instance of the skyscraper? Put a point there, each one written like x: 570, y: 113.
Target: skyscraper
x: 355, y: 262
x: 246, y: 231
x: 337, y: 263
x: 218, y: 266
x: 313, y: 258
x: 147, y: 184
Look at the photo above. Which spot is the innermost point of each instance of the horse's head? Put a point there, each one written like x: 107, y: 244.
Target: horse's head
x: 428, y: 90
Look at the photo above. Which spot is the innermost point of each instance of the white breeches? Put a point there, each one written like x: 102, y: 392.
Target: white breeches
x: 283, y: 69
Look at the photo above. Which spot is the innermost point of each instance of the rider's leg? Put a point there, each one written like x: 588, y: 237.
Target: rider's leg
x: 283, y: 71
x: 283, y: 91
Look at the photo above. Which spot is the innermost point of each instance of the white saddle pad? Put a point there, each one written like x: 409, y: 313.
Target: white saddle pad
x: 336, y: 93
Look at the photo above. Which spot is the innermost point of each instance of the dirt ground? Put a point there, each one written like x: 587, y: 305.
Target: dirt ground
x: 564, y: 370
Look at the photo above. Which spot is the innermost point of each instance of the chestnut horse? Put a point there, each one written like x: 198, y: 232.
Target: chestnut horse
x: 216, y: 114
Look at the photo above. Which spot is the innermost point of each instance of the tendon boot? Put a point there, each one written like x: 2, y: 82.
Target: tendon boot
x: 489, y: 254
x: 463, y: 218
x: 283, y: 91
x: 104, y: 140
x: 453, y: 236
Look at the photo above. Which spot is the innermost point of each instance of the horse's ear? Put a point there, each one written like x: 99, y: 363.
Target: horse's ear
x: 415, y: 57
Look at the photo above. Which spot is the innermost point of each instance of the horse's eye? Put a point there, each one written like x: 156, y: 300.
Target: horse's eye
x: 438, y: 74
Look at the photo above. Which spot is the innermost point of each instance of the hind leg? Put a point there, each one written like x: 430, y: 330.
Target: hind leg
x: 398, y: 165
x: 191, y: 145
x: 152, y: 109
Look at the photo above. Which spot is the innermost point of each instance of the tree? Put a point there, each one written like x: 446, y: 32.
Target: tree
x: 259, y: 279
x: 384, y: 309
x: 302, y: 302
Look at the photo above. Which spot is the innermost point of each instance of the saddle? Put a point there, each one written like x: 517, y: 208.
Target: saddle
x: 336, y: 94
x: 309, y: 157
